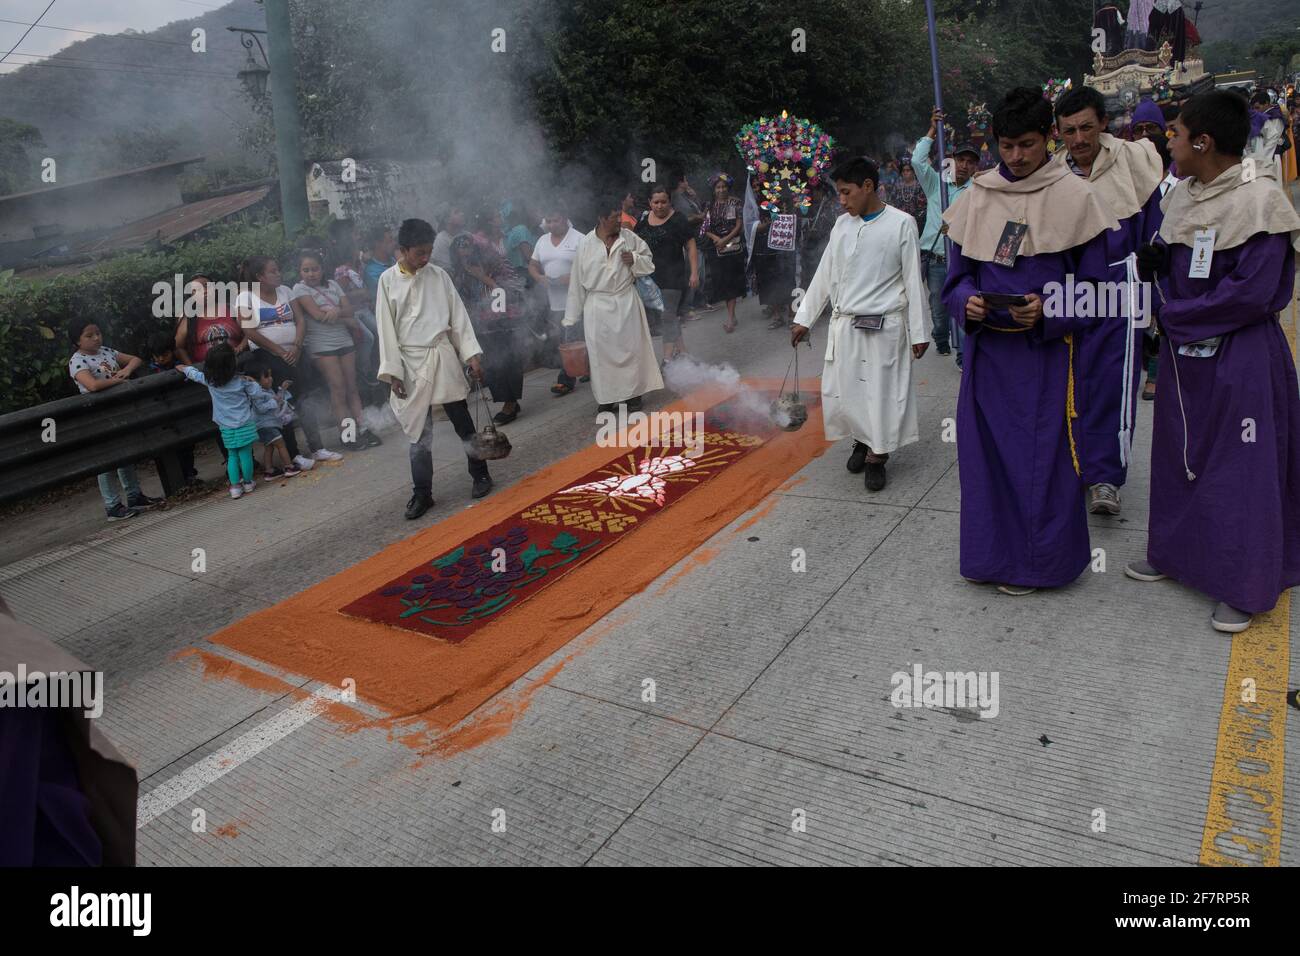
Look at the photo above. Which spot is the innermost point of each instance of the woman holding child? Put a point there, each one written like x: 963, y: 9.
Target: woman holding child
x: 328, y: 339
x: 272, y: 325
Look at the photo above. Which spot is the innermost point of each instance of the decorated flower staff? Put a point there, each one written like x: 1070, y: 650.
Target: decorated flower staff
x: 784, y: 152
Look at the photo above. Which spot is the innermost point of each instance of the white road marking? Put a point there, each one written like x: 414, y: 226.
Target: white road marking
x: 211, y: 768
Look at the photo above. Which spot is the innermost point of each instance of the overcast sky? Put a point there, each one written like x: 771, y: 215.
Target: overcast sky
x: 101, y: 16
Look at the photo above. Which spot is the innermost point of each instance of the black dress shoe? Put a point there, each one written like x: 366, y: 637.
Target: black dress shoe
x: 505, y: 418
x: 857, y: 460
x: 417, y: 506
x: 369, y: 439
x: 482, y: 486
x: 874, y: 476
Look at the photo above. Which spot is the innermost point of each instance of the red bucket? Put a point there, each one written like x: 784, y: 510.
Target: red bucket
x: 573, y: 356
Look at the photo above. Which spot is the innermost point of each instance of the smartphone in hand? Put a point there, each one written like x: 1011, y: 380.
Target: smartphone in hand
x: 1002, y: 300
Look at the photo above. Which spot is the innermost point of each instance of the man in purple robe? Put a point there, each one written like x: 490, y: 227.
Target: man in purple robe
x: 1126, y: 177
x: 1023, y: 518
x: 1225, y: 454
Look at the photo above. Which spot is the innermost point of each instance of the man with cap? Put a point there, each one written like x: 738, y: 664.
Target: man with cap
x: 934, y: 254
x: 1149, y: 124
x: 1126, y: 178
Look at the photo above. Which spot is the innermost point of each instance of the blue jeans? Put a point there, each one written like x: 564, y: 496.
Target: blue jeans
x: 421, y: 451
x: 366, y: 350
x: 935, y: 272
x: 126, y: 475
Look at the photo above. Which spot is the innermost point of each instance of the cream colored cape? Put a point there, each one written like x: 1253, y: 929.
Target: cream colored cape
x: 1235, y: 208
x: 425, y: 337
x: 1061, y: 209
x: 1124, y: 174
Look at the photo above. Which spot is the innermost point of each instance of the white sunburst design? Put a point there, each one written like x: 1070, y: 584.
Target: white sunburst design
x: 648, y: 484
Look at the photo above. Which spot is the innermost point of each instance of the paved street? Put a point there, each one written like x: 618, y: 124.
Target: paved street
x: 771, y: 738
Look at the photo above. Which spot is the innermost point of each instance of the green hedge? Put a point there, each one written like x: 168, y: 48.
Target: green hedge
x: 34, y: 315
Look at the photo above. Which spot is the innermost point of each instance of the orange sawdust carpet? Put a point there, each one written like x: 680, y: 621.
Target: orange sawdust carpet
x: 438, y: 623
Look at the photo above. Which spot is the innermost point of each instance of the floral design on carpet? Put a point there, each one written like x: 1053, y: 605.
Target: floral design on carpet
x: 494, y: 572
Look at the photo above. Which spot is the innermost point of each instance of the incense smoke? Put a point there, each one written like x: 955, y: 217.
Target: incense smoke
x: 686, y: 373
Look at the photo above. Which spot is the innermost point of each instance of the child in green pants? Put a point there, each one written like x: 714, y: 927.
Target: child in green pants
x: 234, y: 398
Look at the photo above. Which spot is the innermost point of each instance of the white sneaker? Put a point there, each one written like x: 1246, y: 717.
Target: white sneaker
x: 236, y: 491
x: 250, y: 486
x: 324, y: 454
x: 303, y: 462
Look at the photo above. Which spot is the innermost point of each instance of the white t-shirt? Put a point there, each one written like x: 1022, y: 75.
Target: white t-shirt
x: 275, y: 321
x: 557, y: 262
x: 101, y: 365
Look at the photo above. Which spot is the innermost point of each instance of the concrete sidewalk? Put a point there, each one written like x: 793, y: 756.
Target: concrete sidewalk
x: 771, y: 737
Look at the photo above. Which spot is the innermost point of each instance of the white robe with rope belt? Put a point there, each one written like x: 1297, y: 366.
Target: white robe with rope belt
x: 603, y: 296
x: 425, y: 337
x: 870, y: 268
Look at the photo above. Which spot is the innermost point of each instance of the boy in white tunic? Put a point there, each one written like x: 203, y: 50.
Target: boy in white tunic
x: 602, y: 295
x: 871, y: 276
x: 425, y: 339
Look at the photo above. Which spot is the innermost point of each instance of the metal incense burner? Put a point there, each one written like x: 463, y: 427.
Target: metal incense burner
x: 488, y: 444
x: 787, y: 412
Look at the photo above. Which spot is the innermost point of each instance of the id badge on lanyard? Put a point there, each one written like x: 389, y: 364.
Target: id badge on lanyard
x: 1202, y: 254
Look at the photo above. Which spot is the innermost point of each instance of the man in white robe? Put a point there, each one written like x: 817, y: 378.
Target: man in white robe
x: 425, y: 340
x: 603, y: 296
x: 870, y: 275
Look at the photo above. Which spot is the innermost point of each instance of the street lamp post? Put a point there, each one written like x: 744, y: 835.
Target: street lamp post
x: 278, y: 60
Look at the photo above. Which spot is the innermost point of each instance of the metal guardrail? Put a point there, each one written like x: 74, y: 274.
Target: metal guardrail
x: 152, y: 417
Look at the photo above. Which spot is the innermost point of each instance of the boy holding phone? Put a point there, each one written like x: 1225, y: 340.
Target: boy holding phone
x: 1020, y: 226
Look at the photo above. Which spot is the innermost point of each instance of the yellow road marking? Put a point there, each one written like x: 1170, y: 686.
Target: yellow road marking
x: 1243, y: 824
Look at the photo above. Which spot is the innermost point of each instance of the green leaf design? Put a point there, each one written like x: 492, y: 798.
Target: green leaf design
x: 563, y: 541
x: 532, y: 554
x: 449, y: 559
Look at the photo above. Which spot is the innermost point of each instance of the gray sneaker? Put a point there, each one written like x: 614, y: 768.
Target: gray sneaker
x: 1142, y: 571
x: 1229, y: 620
x: 1016, y: 590
x: 1103, y: 499
x: 120, y: 512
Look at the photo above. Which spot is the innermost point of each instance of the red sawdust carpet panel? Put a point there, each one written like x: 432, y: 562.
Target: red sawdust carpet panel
x: 438, y: 623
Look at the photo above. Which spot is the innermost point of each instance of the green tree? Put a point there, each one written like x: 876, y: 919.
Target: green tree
x: 17, y: 169
x: 1274, y: 53
x: 607, y: 82
x: 137, y: 146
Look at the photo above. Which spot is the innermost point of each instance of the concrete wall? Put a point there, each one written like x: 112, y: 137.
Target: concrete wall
x: 382, y: 191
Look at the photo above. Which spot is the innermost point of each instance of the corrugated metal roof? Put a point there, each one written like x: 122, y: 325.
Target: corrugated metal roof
x: 139, y: 170
x: 171, y: 225
x: 168, y: 226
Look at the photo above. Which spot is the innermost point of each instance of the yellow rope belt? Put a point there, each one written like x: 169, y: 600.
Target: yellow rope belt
x: 1071, y: 411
